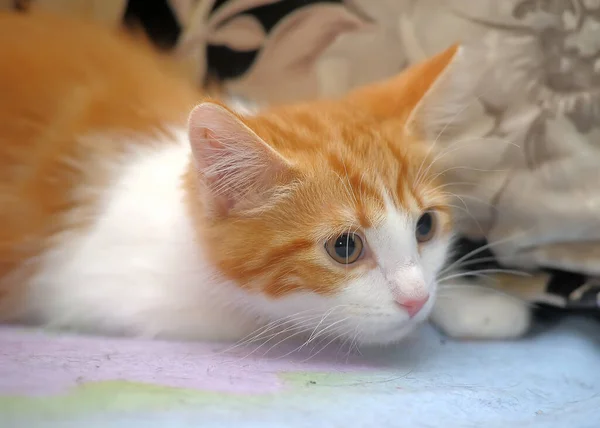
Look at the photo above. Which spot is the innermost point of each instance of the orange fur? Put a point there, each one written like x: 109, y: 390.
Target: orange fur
x: 61, y: 79
x: 64, y: 79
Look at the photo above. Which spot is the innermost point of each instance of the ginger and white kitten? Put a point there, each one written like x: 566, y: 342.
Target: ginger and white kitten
x: 122, y: 212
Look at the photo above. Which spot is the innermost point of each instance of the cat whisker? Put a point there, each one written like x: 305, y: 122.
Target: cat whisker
x: 449, y: 292
x: 451, y: 148
x: 353, y: 347
x: 349, y: 184
x: 466, y: 211
x: 474, y: 262
x: 273, y: 325
x: 302, y: 331
x: 298, y: 323
x: 436, y: 139
x: 266, y: 338
x: 458, y: 183
x: 450, y: 121
x: 455, y: 195
x: 435, y: 176
x: 329, y: 312
x: 482, y: 249
x: 323, y: 330
x: 298, y: 328
x: 476, y: 272
x: 360, y: 184
x: 482, y: 276
x: 347, y: 340
x: 530, y: 305
x: 354, y: 344
x: 343, y: 333
x: 453, y: 183
x: 320, y: 336
x: 277, y: 328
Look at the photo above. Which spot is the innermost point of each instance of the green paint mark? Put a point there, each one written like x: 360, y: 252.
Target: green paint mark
x: 115, y: 396
x: 303, y: 389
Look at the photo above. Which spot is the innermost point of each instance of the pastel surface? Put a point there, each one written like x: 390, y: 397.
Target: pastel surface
x: 551, y: 380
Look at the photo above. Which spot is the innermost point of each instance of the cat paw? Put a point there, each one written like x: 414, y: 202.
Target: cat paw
x: 475, y: 312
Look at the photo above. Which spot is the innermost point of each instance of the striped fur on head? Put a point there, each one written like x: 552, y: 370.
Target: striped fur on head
x: 270, y: 191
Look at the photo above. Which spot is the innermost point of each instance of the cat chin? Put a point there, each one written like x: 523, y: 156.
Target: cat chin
x: 315, y: 318
x: 386, y: 333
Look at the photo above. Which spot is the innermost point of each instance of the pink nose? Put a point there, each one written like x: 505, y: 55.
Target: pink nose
x: 413, y: 306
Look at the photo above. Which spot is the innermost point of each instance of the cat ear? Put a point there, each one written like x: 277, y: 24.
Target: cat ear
x: 448, y: 105
x: 237, y: 168
x: 424, y: 95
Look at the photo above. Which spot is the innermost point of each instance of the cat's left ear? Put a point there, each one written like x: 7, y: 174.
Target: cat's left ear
x: 425, y: 97
x: 446, y: 105
x: 237, y: 168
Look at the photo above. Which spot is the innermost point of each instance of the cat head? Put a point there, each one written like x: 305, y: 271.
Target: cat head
x: 327, y: 214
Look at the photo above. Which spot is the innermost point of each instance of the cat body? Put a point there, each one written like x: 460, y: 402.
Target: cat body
x: 95, y: 233
x: 124, y: 209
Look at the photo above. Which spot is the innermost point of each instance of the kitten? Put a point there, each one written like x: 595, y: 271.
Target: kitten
x: 127, y: 210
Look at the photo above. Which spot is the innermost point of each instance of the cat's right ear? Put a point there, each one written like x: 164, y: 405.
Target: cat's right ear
x: 237, y: 169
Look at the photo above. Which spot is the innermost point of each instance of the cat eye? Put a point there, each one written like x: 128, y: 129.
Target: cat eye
x: 345, y: 248
x: 426, y: 227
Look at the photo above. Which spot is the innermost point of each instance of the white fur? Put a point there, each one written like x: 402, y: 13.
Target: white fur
x: 139, y: 269
x: 401, y: 271
x: 476, y: 312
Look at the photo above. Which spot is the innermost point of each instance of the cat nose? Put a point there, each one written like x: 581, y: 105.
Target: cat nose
x: 413, y: 306
x: 409, y: 288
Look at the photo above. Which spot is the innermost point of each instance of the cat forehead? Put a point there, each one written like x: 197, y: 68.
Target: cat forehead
x: 340, y: 137
x: 341, y: 200
x: 322, y: 123
x: 355, y: 213
x: 355, y: 167
x: 382, y: 177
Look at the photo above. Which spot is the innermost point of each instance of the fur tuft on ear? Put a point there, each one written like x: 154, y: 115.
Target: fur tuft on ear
x: 427, y: 97
x: 238, y: 169
x: 447, y: 106
x: 397, y: 97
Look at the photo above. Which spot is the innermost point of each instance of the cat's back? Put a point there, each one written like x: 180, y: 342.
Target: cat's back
x: 77, y: 76
x: 64, y: 84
